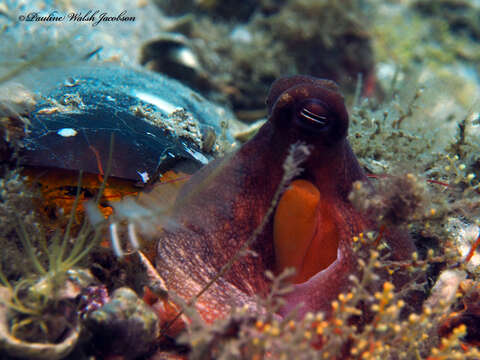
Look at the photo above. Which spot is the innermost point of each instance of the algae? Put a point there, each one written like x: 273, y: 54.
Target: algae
x: 418, y: 139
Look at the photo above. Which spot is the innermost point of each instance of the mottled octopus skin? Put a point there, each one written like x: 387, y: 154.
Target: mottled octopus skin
x: 223, y: 203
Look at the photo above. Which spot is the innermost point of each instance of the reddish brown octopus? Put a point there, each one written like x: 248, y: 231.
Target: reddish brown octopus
x: 312, y: 227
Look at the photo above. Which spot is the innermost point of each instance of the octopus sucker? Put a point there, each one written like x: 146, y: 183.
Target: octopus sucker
x: 312, y: 226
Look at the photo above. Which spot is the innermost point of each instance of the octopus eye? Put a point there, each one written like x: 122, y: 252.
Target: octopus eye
x: 313, y: 114
x: 319, y: 119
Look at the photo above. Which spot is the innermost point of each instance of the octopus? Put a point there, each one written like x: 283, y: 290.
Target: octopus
x: 311, y: 227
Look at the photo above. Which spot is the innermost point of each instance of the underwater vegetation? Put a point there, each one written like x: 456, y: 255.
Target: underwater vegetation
x: 392, y: 271
x: 38, y: 312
